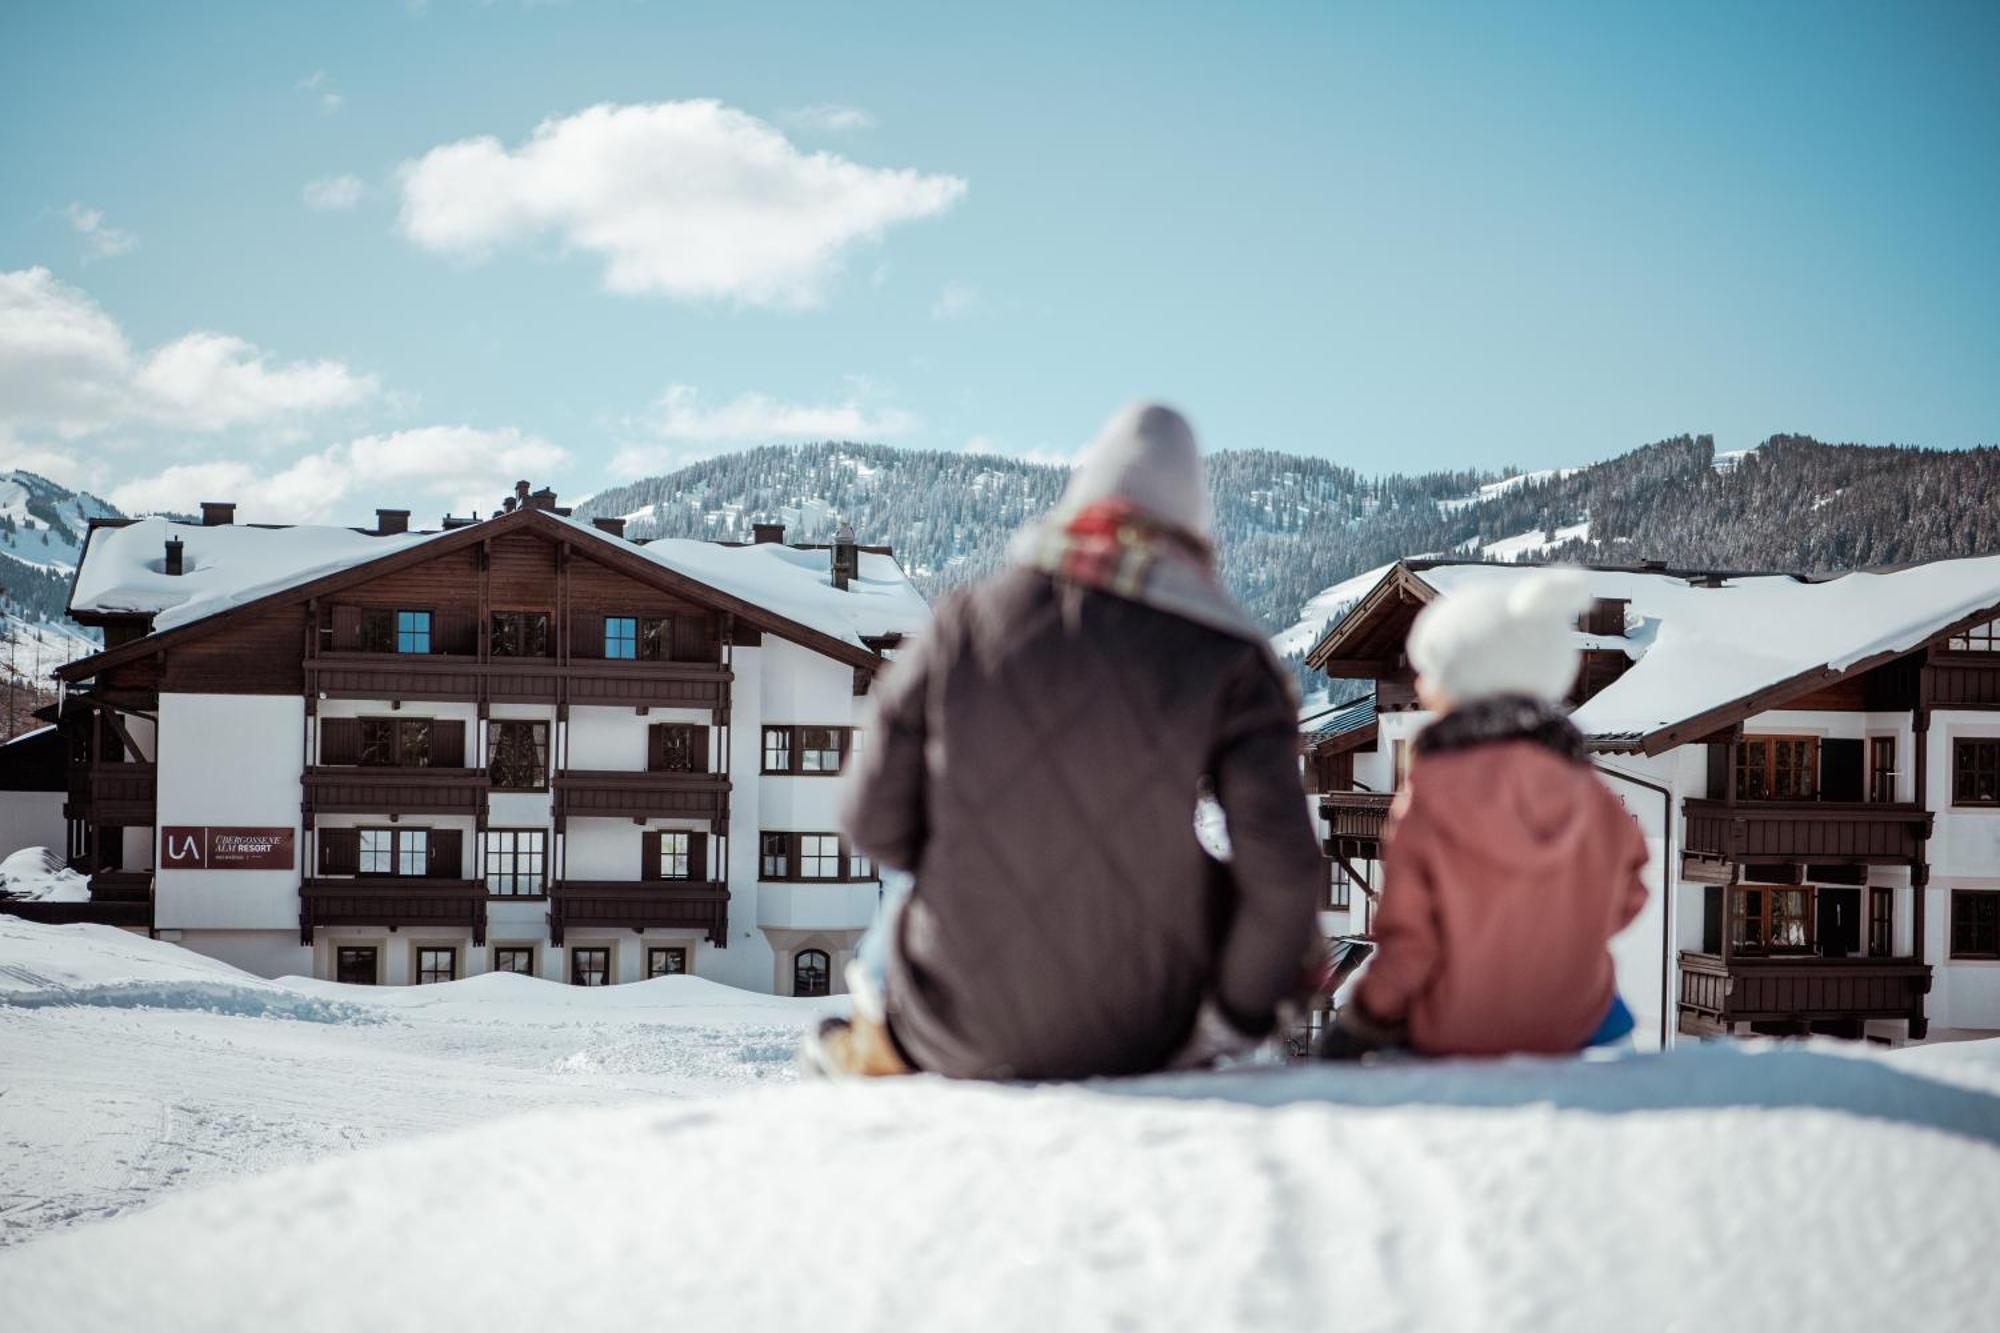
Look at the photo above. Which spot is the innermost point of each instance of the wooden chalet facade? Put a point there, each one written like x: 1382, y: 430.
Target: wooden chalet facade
x: 521, y: 744
x: 1826, y: 833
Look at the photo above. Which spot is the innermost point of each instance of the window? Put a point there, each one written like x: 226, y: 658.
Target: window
x: 1777, y: 768
x: 1881, y: 922
x: 1975, y: 923
x: 413, y: 851
x: 676, y: 860
x: 413, y: 631
x: 671, y: 962
x: 777, y: 749
x: 1882, y: 768
x: 859, y: 866
x: 520, y: 634
x: 354, y: 966
x: 656, y: 640
x: 1975, y: 772
x: 435, y: 965
x: 519, y: 960
x: 815, y: 750
x: 396, y: 742
x: 590, y: 967
x: 775, y: 860
x: 819, y: 856
x: 677, y: 747
x: 1399, y: 764
x: 621, y: 637
x: 378, y: 851
x: 389, y: 851
x: 1979, y: 639
x: 1340, y: 887
x: 812, y: 972
x: 516, y: 860
x: 1771, y: 919
x: 517, y: 755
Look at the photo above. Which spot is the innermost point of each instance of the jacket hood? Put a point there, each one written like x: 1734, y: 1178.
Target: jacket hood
x: 1147, y: 456
x: 1512, y: 802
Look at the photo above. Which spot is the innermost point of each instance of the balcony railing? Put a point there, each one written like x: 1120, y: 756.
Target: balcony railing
x: 366, y: 790
x: 393, y: 901
x: 1869, y: 833
x: 595, y: 794
x: 448, y: 676
x: 1355, y: 819
x: 116, y: 794
x: 639, y: 906
x: 117, y: 898
x: 1716, y: 994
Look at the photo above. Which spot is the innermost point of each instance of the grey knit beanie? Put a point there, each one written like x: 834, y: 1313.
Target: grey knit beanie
x: 1145, y: 455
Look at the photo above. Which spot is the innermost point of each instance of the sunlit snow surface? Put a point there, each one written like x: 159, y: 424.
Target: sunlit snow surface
x: 1757, y: 1186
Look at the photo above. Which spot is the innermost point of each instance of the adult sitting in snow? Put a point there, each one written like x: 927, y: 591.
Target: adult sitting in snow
x: 1507, y: 865
x: 1035, y: 761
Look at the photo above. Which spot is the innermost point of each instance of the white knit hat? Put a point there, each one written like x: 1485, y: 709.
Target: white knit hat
x: 1147, y: 455
x: 1503, y: 636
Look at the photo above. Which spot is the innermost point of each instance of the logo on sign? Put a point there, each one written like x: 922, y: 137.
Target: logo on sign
x: 203, y: 847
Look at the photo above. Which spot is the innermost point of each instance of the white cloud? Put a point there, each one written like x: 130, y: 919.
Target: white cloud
x: 956, y: 299
x: 452, y: 468
x: 99, y: 241
x: 324, y: 93
x: 828, y: 118
x: 333, y: 194
x: 680, y: 415
x: 67, y: 369
x: 691, y: 200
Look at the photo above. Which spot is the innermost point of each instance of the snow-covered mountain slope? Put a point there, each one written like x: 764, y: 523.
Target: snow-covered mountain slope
x: 44, y: 524
x: 1495, y: 1195
x: 42, y: 529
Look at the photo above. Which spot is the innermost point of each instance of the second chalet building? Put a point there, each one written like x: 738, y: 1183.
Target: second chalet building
x: 1815, y: 762
x: 521, y: 744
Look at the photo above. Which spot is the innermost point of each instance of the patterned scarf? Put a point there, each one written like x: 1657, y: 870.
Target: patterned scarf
x: 1507, y: 717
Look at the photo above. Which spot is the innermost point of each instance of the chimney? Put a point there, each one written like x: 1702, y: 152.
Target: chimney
x: 391, y: 521
x: 846, y: 556
x: 1606, y: 617
x: 216, y: 513
x: 176, y: 563
x: 614, y: 526
x: 542, y: 499
x: 520, y: 492
x: 761, y: 533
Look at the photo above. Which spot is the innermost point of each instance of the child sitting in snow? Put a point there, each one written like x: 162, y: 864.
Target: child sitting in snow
x: 1507, y: 864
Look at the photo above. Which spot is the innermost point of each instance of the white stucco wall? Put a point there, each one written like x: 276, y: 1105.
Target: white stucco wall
x: 235, y: 761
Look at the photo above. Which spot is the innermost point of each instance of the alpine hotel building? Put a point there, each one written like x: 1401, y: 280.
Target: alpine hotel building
x: 520, y: 744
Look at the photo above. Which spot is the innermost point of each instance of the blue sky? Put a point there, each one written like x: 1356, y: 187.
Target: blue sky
x: 320, y: 257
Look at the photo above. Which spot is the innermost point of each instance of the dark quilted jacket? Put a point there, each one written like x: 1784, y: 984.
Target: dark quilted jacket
x: 1035, y: 762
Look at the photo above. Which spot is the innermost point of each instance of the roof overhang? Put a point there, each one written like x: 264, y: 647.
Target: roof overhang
x: 1399, y: 593
x: 590, y: 542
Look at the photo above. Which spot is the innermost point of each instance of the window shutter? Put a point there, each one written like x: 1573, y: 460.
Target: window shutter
x: 588, y: 640
x: 649, y: 855
x: 346, y: 629
x: 690, y: 638
x: 698, y: 857
x: 453, y: 632
x: 447, y: 854
x: 339, y: 851
x: 340, y: 740
x: 448, y: 743
x: 656, y: 747
x: 698, y: 753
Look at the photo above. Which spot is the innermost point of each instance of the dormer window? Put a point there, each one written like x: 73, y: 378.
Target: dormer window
x: 1979, y: 639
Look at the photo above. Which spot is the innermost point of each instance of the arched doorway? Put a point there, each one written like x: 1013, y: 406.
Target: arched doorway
x: 812, y: 973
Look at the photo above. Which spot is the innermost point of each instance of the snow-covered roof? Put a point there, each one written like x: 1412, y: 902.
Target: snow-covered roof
x: 1696, y: 649
x: 230, y: 565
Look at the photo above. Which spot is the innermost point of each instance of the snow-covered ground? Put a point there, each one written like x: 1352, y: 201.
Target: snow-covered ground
x: 1751, y: 1186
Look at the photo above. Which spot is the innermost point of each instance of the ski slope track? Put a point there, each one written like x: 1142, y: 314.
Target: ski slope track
x: 643, y: 1155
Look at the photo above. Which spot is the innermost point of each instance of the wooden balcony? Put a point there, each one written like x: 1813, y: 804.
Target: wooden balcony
x: 1847, y: 832
x: 1354, y: 822
x: 595, y: 794
x: 393, y: 901
x: 113, y: 794
x: 639, y: 906
x: 532, y: 680
x: 371, y: 790
x: 1964, y: 680
x: 1797, y: 993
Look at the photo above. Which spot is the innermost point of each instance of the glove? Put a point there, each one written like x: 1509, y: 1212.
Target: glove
x: 1356, y: 1034
x: 1214, y: 1038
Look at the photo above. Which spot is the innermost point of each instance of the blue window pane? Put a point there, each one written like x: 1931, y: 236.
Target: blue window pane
x: 621, y: 637
x: 413, y: 631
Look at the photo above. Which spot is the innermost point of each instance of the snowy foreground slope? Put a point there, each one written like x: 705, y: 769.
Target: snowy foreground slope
x: 1729, y: 1187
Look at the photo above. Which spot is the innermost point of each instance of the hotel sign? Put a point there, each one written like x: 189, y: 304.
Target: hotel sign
x: 184, y: 847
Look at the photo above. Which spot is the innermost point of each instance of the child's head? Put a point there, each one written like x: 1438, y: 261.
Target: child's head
x: 1513, y: 636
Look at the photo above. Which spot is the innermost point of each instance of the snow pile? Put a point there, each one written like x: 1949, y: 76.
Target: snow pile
x: 36, y: 874
x: 1700, y: 648
x: 1662, y: 1191
x: 43, y: 966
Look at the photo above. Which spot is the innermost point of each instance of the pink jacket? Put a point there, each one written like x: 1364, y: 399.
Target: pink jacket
x: 1506, y: 871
